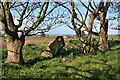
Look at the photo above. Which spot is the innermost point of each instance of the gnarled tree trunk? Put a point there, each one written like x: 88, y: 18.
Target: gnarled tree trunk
x: 14, y: 47
x: 14, y: 42
x: 87, y: 47
x: 103, y: 45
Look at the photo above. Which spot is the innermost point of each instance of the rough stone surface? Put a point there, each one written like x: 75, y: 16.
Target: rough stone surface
x: 57, y: 45
x: 54, y: 48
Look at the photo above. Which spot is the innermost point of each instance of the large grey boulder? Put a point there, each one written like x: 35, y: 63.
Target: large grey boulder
x: 54, y: 48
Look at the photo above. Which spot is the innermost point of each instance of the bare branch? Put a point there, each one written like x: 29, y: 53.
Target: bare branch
x: 85, y: 6
x: 94, y: 33
x: 64, y: 7
x: 21, y: 4
x: 67, y: 24
x: 12, y: 5
x: 84, y: 25
x: 39, y: 19
x: 73, y: 24
x: 79, y: 13
x: 91, y: 6
x: 107, y: 5
x: 44, y: 12
x: 99, y: 7
x: 21, y: 15
x: 87, y: 12
x: 17, y: 5
x: 73, y: 16
x: 41, y: 9
x: 51, y: 10
x: 95, y: 28
x: 116, y: 28
x: 79, y: 25
x: 17, y: 11
x: 94, y: 4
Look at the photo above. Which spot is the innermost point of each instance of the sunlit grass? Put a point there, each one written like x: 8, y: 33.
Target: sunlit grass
x: 99, y: 65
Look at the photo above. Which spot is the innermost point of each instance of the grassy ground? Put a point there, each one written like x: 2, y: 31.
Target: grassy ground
x: 37, y: 37
x: 114, y: 37
x: 104, y: 65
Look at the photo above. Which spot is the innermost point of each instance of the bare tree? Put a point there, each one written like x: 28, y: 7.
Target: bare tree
x: 101, y: 16
x: 100, y: 12
x: 33, y: 12
x: 114, y: 9
x: 79, y: 23
x: 78, y: 20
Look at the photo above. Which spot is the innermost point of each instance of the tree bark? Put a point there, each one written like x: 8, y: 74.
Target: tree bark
x: 87, y: 47
x: 14, y: 47
x: 103, y: 45
x: 14, y: 42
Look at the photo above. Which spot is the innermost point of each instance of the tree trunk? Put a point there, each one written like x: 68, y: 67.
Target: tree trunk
x: 14, y: 42
x: 103, y: 45
x: 87, y: 47
x: 14, y: 47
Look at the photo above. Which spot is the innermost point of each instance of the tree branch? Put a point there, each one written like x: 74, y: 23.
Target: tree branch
x: 87, y: 12
x: 79, y: 12
x: 91, y: 5
x: 44, y: 12
x: 85, y: 6
x: 94, y: 4
x: 64, y: 7
x: 12, y: 5
x: 107, y: 5
x: 94, y: 33
x: 99, y: 7
x: 21, y: 15
x: 51, y: 10
x: 39, y: 19
x: 41, y: 9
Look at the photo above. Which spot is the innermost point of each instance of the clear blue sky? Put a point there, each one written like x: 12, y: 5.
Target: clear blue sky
x: 66, y: 30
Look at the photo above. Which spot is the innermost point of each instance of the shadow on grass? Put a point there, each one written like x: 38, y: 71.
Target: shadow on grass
x: 38, y: 58
x: 33, y: 46
x: 71, y: 52
x: 95, y: 73
x: 31, y: 62
x: 110, y: 43
x: 78, y: 51
x: 113, y: 43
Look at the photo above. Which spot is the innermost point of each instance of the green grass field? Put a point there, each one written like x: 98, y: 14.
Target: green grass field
x: 39, y: 37
x: 103, y: 65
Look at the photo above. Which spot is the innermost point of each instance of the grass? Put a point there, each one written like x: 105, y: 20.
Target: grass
x: 39, y: 37
x: 114, y: 38
x: 102, y: 65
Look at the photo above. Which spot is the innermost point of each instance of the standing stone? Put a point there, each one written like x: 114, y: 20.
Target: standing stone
x: 54, y: 48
